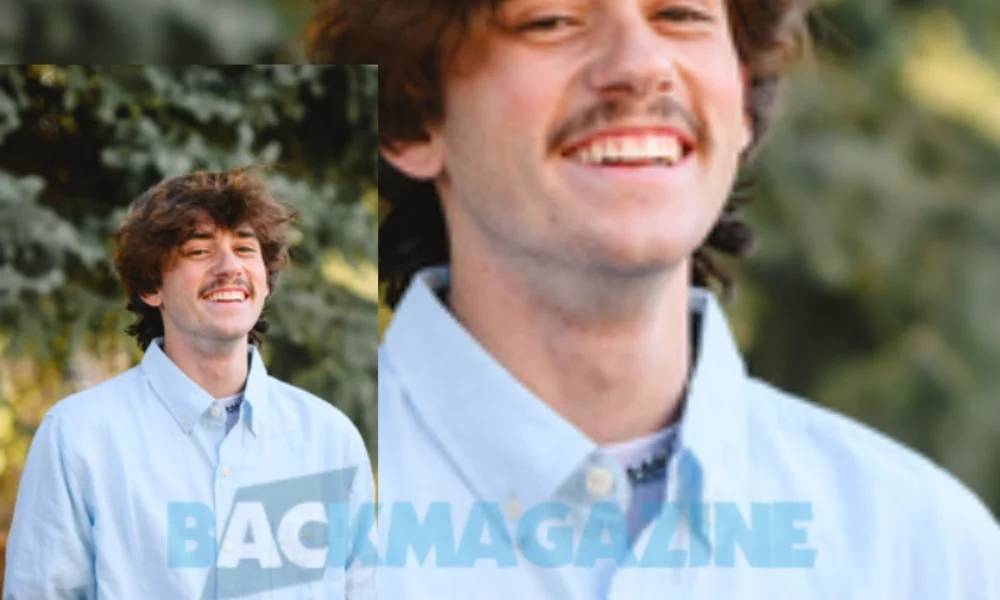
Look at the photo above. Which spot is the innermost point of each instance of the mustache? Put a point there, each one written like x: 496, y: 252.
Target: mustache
x: 607, y: 112
x: 227, y: 283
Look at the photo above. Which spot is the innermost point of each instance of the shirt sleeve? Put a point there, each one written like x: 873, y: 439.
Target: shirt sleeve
x: 50, y: 550
x: 975, y: 557
x: 955, y: 546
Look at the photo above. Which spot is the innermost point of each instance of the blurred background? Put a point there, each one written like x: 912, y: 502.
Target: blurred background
x: 874, y: 288
x: 78, y: 144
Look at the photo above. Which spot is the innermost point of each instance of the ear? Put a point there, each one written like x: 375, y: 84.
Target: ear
x: 154, y: 300
x: 746, y: 135
x: 417, y: 160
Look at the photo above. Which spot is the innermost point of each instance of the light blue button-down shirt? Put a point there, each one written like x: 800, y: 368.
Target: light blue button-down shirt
x: 841, y: 511
x: 104, y: 507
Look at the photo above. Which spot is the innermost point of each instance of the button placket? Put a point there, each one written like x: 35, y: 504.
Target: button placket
x: 226, y: 483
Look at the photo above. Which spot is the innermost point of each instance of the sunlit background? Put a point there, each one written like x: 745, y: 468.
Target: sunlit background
x: 874, y: 288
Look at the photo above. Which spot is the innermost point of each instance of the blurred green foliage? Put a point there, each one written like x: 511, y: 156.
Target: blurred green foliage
x: 876, y: 282
x: 78, y: 144
x: 152, y: 31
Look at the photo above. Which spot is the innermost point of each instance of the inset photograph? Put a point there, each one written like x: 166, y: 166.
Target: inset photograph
x: 188, y: 306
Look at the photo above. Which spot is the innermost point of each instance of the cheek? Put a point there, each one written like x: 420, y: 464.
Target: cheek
x: 725, y: 84
x: 712, y: 70
x: 172, y: 284
x: 505, y: 102
x: 186, y: 283
x: 258, y: 272
x: 532, y: 94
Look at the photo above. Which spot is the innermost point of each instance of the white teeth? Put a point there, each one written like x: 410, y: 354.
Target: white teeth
x: 632, y: 148
x: 649, y: 145
x: 661, y: 145
x: 597, y: 153
x: 665, y: 148
x: 671, y: 149
x: 226, y: 296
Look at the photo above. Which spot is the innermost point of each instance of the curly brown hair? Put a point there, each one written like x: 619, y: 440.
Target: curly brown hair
x: 166, y: 215
x: 415, y: 41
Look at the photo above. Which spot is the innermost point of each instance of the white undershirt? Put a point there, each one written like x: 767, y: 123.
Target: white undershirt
x: 632, y: 454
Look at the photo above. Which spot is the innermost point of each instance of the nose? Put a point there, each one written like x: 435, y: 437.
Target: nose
x: 226, y: 263
x: 635, y: 61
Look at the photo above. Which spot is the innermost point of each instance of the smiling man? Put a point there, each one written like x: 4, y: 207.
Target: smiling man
x: 176, y: 479
x: 562, y: 414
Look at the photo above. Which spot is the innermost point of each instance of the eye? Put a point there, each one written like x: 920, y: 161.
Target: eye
x: 679, y: 14
x: 194, y: 252
x: 548, y: 23
x: 246, y: 249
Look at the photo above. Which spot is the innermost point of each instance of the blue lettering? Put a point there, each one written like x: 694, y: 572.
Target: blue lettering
x: 786, y: 535
x: 731, y: 529
x: 559, y: 550
x: 179, y: 534
x: 406, y: 531
x: 658, y: 553
x: 485, y: 516
x: 604, y: 516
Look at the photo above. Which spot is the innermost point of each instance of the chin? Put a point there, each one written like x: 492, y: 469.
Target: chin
x: 231, y: 334
x: 634, y: 255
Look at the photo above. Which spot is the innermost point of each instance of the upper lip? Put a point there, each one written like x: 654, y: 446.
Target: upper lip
x: 678, y: 131
x: 227, y: 289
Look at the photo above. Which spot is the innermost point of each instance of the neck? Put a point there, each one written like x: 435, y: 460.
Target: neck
x: 608, y: 352
x: 219, y: 369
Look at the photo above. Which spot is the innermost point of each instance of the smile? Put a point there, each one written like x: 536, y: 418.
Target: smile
x: 630, y: 150
x: 227, y: 296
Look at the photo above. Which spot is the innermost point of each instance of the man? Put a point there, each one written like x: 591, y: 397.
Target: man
x: 194, y: 474
x: 561, y: 414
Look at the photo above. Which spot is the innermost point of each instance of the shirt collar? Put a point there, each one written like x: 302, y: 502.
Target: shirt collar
x: 504, y: 440
x: 710, y: 460
x: 187, y: 401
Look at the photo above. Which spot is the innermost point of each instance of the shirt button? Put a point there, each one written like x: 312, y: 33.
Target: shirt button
x: 599, y: 482
x: 513, y: 508
x: 225, y: 471
x: 227, y: 547
x: 215, y: 411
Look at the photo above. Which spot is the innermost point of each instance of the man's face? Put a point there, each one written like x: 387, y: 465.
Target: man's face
x: 214, y: 286
x: 597, y: 133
